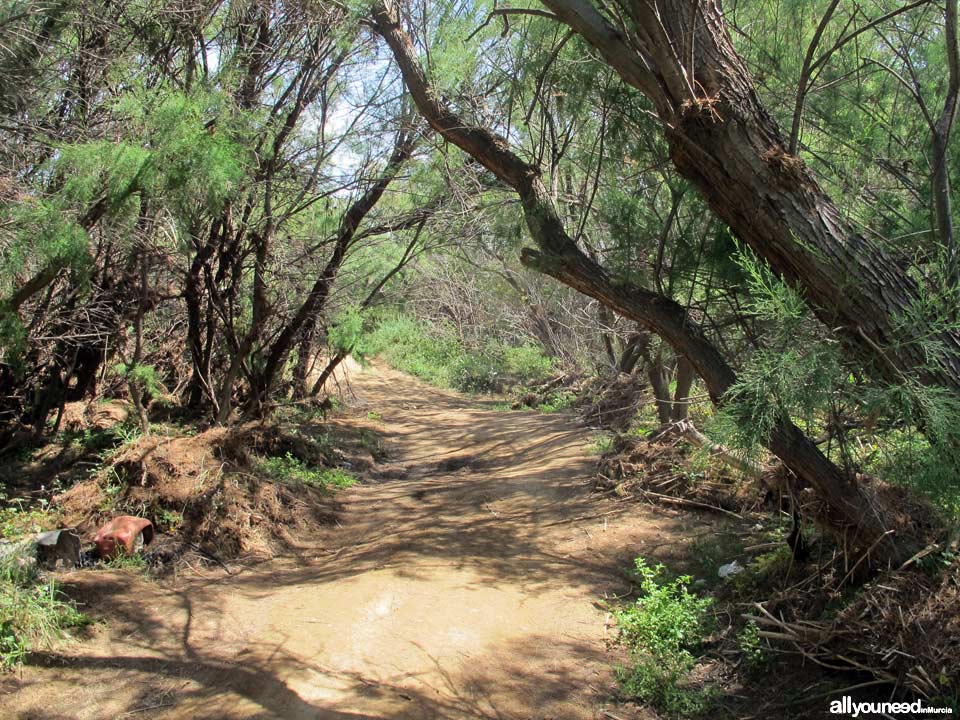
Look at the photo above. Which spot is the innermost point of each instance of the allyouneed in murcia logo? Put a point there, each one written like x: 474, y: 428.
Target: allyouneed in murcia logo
x: 846, y: 706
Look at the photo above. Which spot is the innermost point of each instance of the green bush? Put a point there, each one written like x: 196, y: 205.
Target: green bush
x: 754, y: 655
x: 527, y: 364
x: 662, y: 630
x: 477, y: 373
x: 410, y: 347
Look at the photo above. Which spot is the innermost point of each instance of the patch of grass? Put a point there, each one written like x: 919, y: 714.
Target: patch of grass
x: 375, y: 416
x: 337, y: 478
x: 602, y: 444
x: 122, y: 561
x: 289, y: 469
x: 113, y: 486
x: 436, y: 354
x: 34, y: 613
x: 17, y: 521
x: 557, y: 401
x: 663, y: 631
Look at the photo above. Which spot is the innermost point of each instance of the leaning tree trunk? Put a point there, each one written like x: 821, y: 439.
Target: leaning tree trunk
x: 721, y: 138
x: 850, y: 514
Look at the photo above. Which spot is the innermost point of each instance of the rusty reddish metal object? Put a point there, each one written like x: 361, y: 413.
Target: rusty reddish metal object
x: 127, y: 532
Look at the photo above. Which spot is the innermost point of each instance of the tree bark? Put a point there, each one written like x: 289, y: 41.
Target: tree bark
x: 659, y: 380
x: 941, y: 142
x: 723, y: 140
x: 681, y: 395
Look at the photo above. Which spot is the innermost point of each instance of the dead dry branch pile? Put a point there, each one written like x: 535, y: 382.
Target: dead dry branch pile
x: 612, y: 402
x: 902, y: 629
x: 659, y: 471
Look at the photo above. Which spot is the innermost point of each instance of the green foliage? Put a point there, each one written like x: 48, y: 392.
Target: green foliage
x: 15, y: 521
x: 290, y: 469
x: 437, y: 356
x: 528, y: 362
x: 557, y: 401
x: 33, y: 613
x: 792, y: 375
x: 602, y: 444
x: 477, y: 372
x: 751, y: 647
x: 40, y: 233
x: 112, y: 170
x: 142, y: 376
x: 168, y: 520
x: 910, y: 436
x: 662, y: 630
x: 411, y: 347
x: 346, y: 331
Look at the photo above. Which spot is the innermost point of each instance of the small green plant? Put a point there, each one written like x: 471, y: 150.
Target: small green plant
x: 168, y: 520
x: 935, y: 563
x: 662, y: 630
x: 290, y: 469
x: 557, y: 401
x: 375, y: 416
x: 602, y: 444
x: 15, y: 521
x: 754, y: 655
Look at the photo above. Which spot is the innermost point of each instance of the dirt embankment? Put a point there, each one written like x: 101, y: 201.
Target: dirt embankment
x: 210, y: 488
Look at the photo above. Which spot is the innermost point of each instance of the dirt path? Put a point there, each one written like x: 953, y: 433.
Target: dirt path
x: 460, y: 584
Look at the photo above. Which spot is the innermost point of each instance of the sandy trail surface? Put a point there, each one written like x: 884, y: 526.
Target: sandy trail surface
x: 466, y: 580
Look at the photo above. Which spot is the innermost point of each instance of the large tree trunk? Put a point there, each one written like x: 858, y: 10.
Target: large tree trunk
x: 721, y: 138
x: 658, y: 377
x: 681, y: 394
x: 851, y: 515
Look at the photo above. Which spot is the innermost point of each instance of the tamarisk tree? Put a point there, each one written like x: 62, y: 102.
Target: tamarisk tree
x: 851, y: 514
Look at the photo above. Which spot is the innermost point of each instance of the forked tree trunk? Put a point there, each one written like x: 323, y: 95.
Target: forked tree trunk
x: 850, y: 513
x: 313, y: 306
x: 658, y: 377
